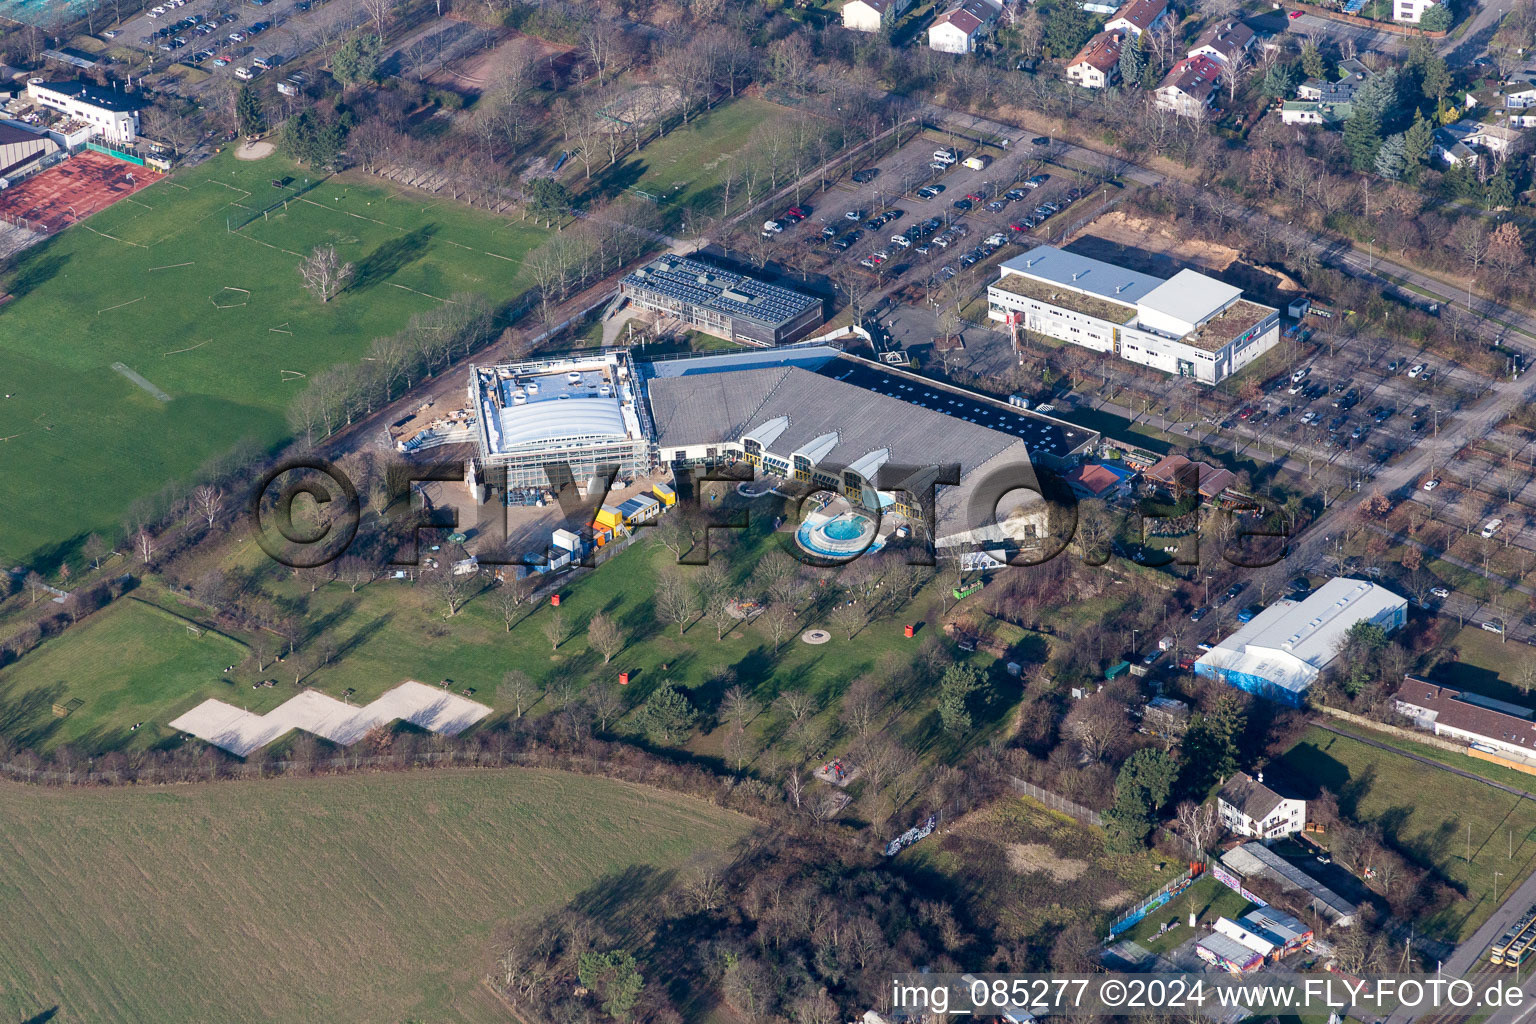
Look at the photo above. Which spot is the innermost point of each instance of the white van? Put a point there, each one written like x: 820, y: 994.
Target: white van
x: 244, y: 74
x: 945, y: 156
x: 1491, y: 527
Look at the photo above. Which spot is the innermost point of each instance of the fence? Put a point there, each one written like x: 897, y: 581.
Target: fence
x: 1083, y: 814
x: 1134, y: 916
x: 116, y: 154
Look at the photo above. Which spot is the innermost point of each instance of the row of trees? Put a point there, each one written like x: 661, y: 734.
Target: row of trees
x: 428, y: 344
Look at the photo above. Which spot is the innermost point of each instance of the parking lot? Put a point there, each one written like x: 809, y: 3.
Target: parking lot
x: 913, y: 222
x: 221, y: 36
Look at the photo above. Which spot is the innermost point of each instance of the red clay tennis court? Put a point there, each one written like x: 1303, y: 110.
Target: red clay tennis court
x: 72, y: 191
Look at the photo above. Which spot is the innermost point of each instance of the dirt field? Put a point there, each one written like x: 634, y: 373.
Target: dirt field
x: 359, y: 898
x: 1027, y: 858
x: 1146, y: 245
x: 471, y: 75
x: 72, y: 191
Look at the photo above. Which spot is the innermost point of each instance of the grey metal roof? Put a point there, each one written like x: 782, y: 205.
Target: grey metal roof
x: 1189, y: 295
x: 808, y: 356
x: 1091, y: 276
x: 1256, y: 859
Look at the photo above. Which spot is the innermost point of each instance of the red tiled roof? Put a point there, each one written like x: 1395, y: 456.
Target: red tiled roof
x: 1213, y: 479
x: 1141, y: 13
x: 1093, y: 478
x: 1195, y: 77
x: 1101, y: 52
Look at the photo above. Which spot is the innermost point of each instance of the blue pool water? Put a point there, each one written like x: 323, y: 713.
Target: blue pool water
x: 845, y: 528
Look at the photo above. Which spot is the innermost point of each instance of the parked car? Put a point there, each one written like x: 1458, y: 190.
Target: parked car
x: 1248, y: 613
x: 1431, y: 484
x: 1199, y: 613
x: 1491, y: 527
x: 854, y: 215
x: 1416, y: 370
x: 962, y: 204
x: 1232, y: 591
x: 1439, y: 592
x: 1041, y: 140
x: 867, y: 174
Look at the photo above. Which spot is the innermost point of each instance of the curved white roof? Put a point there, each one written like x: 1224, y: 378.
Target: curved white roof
x: 766, y: 433
x: 538, y: 422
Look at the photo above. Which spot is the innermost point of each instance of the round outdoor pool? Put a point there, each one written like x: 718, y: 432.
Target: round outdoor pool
x: 838, y: 536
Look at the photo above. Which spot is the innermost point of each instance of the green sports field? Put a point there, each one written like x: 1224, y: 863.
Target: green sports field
x: 352, y: 899
x: 218, y: 321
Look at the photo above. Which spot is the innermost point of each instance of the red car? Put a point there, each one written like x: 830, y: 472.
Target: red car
x: 794, y: 213
x: 1018, y: 227
x: 1294, y: 15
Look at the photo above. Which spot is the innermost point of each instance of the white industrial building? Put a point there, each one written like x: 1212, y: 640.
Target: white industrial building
x: 1283, y: 650
x: 1191, y: 325
x: 545, y: 423
x: 110, y: 113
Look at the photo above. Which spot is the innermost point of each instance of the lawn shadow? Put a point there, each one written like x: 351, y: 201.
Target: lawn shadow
x: 391, y: 257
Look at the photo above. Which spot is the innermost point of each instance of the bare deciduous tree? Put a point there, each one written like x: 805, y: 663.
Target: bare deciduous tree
x: 553, y: 628
x: 1196, y: 823
x: 517, y: 690
x: 324, y: 274
x: 209, y: 502
x: 604, y: 636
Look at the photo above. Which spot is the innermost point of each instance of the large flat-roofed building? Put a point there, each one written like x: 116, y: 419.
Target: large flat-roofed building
x: 723, y: 303
x: 867, y: 433
x: 1282, y: 651
x: 1191, y: 325
x: 542, y: 424
x: 111, y: 113
x: 21, y: 150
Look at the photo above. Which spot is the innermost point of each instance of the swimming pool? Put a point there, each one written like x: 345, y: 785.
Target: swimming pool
x: 850, y: 533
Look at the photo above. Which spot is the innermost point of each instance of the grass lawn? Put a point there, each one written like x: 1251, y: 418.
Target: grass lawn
x: 1487, y: 769
x: 389, y: 631
x: 1463, y: 830
x: 1206, y: 897
x: 211, y: 318
x: 1026, y: 871
x: 360, y: 898
x: 685, y: 169
x: 1487, y: 665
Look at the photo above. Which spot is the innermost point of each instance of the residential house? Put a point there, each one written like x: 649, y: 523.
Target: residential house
x: 1097, y: 64
x: 959, y: 29
x: 1459, y: 143
x: 1411, y: 12
x: 1226, y: 42
x: 872, y: 15
x: 1511, y: 103
x: 1300, y: 112
x: 1333, y: 101
x: 1250, y: 808
x: 1189, y: 89
x: 1137, y: 17
x: 1480, y: 722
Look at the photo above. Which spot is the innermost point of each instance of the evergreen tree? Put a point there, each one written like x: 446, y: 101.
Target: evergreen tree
x: 1210, y: 745
x: 1436, y: 19
x: 1151, y: 69
x: 1417, y: 141
x: 548, y: 200
x: 1312, y: 61
x: 1067, y: 28
x: 1392, y: 157
x: 356, y: 60
x: 667, y: 714
x: 1132, y: 61
x: 1277, y: 80
x: 959, y: 682
x: 249, y: 116
x: 1362, y: 137
x: 1501, y: 190
x: 1141, y: 788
